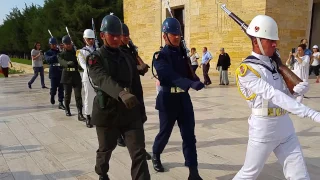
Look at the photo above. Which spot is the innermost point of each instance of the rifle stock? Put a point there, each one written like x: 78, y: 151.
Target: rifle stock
x: 289, y: 77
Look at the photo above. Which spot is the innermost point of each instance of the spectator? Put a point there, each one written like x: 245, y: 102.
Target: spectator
x: 301, y: 65
x: 194, y: 59
x: 206, y: 58
x: 306, y: 51
x: 315, y: 62
x: 223, y: 66
x: 4, y: 64
x: 37, y: 64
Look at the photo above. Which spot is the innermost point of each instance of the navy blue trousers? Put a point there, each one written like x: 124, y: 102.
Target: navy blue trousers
x: 184, y: 115
x: 56, y: 85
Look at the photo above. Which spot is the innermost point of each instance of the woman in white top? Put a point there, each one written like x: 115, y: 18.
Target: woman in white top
x: 301, y: 65
x: 194, y: 59
x: 315, y: 62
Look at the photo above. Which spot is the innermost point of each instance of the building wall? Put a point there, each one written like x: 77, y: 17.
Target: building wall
x: 207, y: 25
x: 293, y: 19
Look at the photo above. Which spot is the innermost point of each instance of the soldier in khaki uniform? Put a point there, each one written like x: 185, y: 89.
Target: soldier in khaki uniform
x: 70, y: 77
x: 116, y: 109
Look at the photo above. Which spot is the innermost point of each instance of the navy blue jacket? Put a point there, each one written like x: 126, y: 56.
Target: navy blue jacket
x: 172, y: 68
x: 51, y: 58
x: 173, y: 71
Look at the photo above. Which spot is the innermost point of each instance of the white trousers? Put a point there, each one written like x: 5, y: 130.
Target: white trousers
x: 288, y: 152
x: 89, y: 95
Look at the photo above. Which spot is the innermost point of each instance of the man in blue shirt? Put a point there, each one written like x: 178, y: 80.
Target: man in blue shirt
x: 206, y: 58
x: 306, y: 51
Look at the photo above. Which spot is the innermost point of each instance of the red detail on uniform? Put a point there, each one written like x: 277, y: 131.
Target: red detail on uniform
x: 242, y: 69
x: 256, y: 28
x: 92, y: 61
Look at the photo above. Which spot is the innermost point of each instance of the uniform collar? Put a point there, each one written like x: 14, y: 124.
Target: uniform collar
x: 90, y: 47
x: 173, y: 48
x: 261, y: 57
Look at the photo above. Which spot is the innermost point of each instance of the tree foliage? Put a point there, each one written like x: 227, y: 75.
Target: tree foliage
x: 22, y: 28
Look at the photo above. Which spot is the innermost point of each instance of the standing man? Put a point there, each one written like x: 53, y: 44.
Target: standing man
x: 89, y: 92
x: 223, y: 66
x: 55, y: 72
x: 173, y: 101
x: 70, y: 76
x: 4, y: 64
x: 271, y: 129
x: 136, y: 81
x: 206, y: 58
x: 37, y: 65
x: 115, y: 109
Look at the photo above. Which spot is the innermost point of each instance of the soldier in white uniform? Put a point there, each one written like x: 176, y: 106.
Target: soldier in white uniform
x: 270, y: 127
x: 89, y: 37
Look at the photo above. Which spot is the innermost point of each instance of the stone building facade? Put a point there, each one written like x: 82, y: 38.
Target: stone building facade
x: 206, y: 25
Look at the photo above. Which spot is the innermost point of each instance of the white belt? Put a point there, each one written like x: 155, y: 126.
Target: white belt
x: 56, y: 64
x: 272, y: 112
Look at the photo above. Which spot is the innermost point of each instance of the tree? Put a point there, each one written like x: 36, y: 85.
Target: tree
x: 22, y: 28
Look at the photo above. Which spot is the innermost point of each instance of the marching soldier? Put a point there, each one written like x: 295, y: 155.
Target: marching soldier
x: 70, y: 76
x: 263, y: 87
x: 136, y: 81
x: 55, y: 73
x: 89, y: 93
x: 115, y: 109
x: 173, y: 101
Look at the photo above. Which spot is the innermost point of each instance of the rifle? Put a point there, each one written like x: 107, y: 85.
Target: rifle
x: 94, y: 30
x: 184, y: 48
x: 75, y: 48
x: 289, y: 77
x: 134, y: 49
x: 57, y: 41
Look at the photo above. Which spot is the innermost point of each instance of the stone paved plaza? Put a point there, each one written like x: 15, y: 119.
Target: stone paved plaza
x: 38, y: 141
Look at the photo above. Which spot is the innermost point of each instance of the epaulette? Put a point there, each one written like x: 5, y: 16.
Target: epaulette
x: 243, y: 68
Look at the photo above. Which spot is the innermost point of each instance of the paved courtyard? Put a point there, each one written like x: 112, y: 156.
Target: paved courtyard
x: 37, y: 140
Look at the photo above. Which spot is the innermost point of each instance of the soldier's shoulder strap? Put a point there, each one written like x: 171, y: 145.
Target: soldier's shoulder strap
x: 255, y: 60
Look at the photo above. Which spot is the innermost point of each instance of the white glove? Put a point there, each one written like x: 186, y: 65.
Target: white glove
x: 317, y: 118
x: 302, y: 87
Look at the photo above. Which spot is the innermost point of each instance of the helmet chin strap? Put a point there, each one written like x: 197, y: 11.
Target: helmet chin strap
x: 260, y: 46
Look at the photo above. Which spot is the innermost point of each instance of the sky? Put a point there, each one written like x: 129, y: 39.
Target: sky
x: 7, y: 7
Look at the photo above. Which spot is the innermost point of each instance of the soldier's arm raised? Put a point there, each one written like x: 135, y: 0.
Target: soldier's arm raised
x: 166, y: 73
x: 51, y: 59
x: 250, y: 80
x: 61, y: 60
x: 101, y: 78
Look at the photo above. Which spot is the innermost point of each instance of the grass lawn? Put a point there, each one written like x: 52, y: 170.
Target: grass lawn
x: 22, y: 61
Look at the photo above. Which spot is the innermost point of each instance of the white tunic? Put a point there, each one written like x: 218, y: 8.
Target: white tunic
x: 82, y: 61
x: 267, y: 128
x: 302, y: 69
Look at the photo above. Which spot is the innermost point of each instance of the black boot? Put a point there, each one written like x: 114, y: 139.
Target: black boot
x: 52, y: 101
x: 121, y: 142
x: 61, y: 106
x: 104, y: 177
x: 157, y: 166
x: 88, y: 122
x: 80, y: 115
x: 148, y: 156
x: 194, y: 174
x: 67, y: 110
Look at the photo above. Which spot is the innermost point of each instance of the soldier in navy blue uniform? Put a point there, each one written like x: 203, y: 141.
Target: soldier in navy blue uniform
x: 173, y: 101
x: 55, y: 73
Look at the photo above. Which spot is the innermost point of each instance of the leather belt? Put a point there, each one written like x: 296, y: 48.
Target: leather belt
x: 172, y: 89
x: 271, y: 112
x: 70, y: 69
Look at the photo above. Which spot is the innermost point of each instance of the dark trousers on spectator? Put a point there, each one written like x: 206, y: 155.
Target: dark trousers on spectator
x: 205, y: 69
x: 194, y: 68
x: 5, y: 71
x: 36, y: 71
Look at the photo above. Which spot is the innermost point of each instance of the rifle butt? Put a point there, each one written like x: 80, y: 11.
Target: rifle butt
x: 289, y: 77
